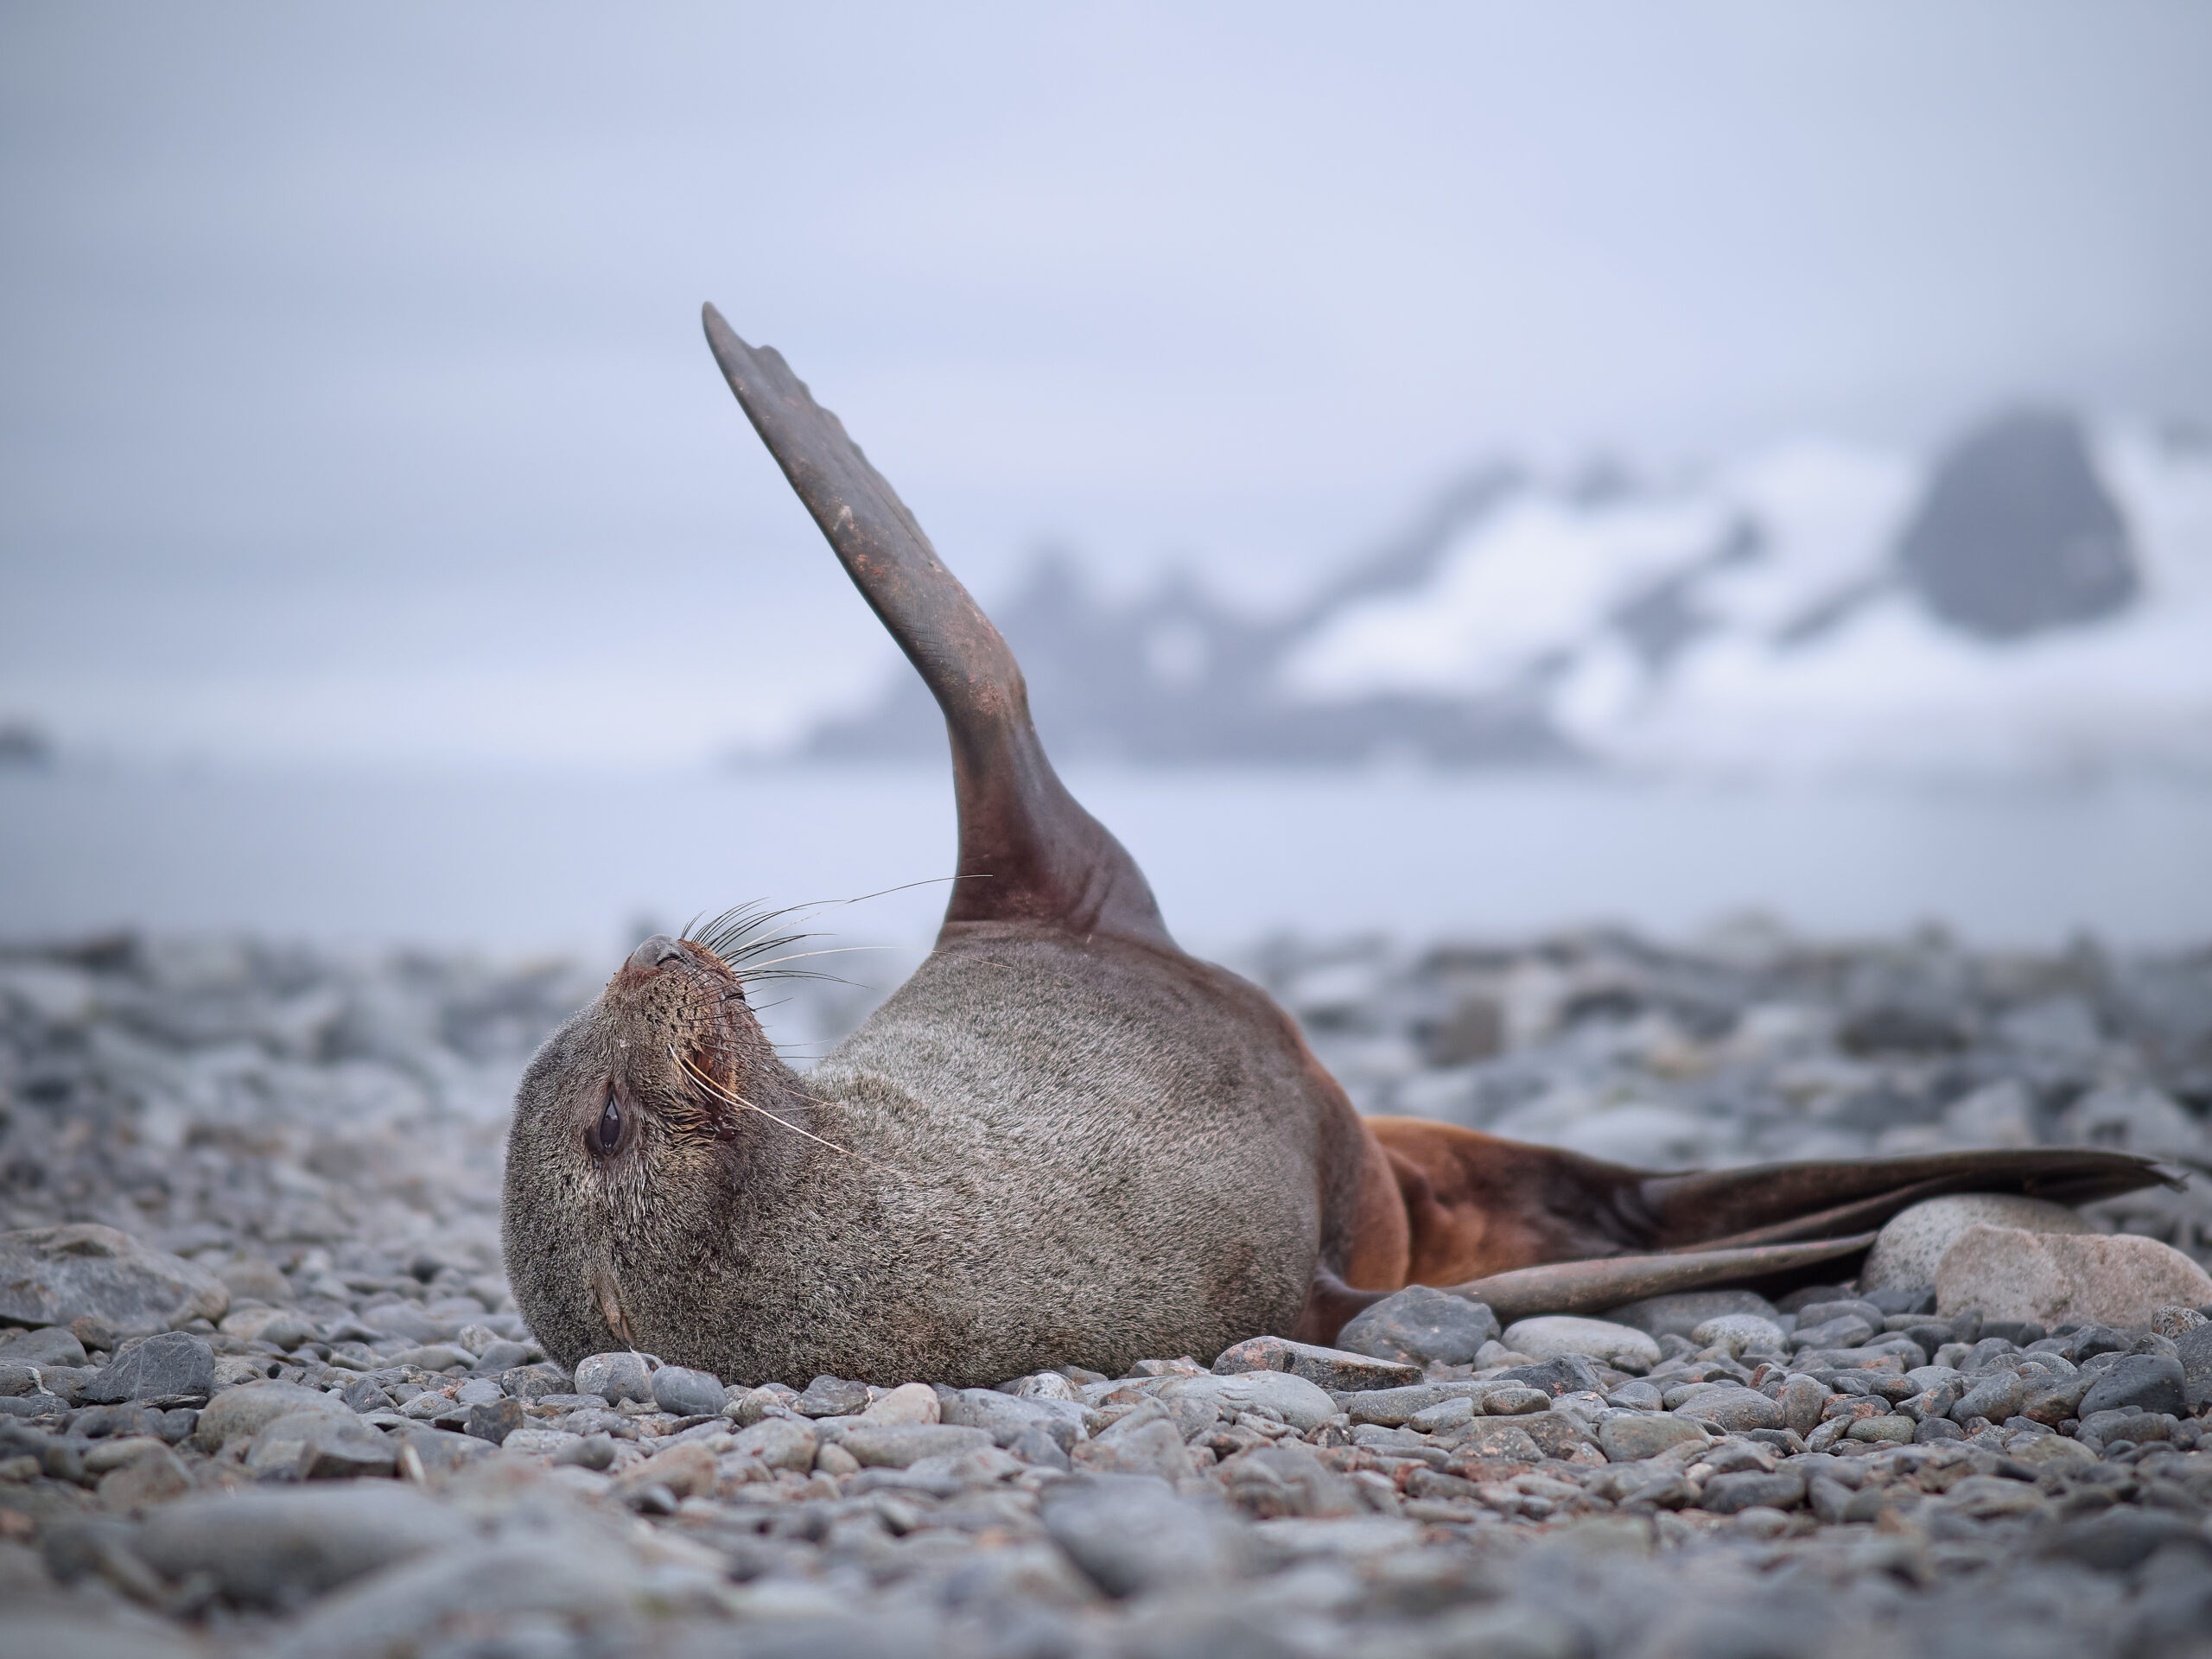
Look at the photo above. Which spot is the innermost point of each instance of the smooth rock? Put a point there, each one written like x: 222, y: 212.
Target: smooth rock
x: 2055, y: 1278
x: 587, y: 1451
x: 1911, y: 1242
x: 685, y: 1392
x: 1732, y: 1494
x: 1552, y: 1335
x: 55, y: 1275
x: 780, y: 1443
x: 1335, y: 1368
x: 439, y: 1450
x: 1392, y: 1408
x: 2195, y: 1349
x: 897, y: 1446
x: 314, y: 1446
x: 1294, y: 1400
x: 1269, y: 1481
x: 281, y: 1548
x: 1994, y: 1397
x: 174, y: 1369
x: 1738, y: 1333
x: 237, y: 1413
x: 1736, y: 1410
x: 154, y: 1478
x: 831, y: 1397
x: 1131, y: 1535
x: 1419, y: 1326
x: 502, y: 1356
x: 1803, y: 1399
x: 2103, y: 1428
x: 616, y: 1378
x: 1006, y: 1417
x: 1845, y: 1331
x: 1888, y: 1429
x: 1679, y: 1314
x: 910, y: 1402
x: 1631, y: 1437
x: 2041, y: 1451
x: 1811, y: 1314
x: 686, y: 1470
x: 2138, y: 1383
x: 494, y: 1421
x: 1562, y: 1374
x: 1145, y: 1442
x: 118, y: 1450
x: 53, y: 1344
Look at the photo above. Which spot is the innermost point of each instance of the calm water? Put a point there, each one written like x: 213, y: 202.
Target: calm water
x: 523, y: 863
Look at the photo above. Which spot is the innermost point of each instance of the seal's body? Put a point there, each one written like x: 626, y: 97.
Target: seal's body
x: 1063, y: 1140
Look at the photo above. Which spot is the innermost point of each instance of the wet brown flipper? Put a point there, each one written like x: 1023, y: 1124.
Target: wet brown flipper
x: 1593, y: 1287
x: 1028, y: 852
x: 1554, y: 1231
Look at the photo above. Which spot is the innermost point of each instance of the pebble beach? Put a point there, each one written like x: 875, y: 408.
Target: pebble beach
x: 264, y: 1390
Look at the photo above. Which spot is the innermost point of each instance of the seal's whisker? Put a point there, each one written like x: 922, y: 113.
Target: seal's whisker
x: 834, y: 950
x: 736, y: 1099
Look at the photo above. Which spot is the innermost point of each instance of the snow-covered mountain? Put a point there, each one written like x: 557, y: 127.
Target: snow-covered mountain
x: 2038, y: 599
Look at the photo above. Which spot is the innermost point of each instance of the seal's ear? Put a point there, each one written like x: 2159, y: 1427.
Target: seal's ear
x: 1028, y: 853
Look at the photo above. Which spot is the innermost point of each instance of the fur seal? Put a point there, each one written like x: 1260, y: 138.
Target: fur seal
x: 1063, y: 1140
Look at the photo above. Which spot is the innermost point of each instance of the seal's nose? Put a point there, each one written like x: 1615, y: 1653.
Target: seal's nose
x: 654, y: 951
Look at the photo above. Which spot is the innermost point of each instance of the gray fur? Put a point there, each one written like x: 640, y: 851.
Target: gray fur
x: 1077, y: 1153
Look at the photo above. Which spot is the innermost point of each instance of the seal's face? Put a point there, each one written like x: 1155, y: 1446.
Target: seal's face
x: 630, y: 1125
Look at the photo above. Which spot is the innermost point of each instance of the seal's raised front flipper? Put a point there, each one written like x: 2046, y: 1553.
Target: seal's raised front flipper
x: 1532, y: 1229
x: 1028, y: 852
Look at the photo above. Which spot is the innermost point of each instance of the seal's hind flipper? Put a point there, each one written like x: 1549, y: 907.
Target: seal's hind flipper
x: 1477, y: 1207
x: 1593, y: 1287
x: 1028, y: 852
x: 1774, y: 1202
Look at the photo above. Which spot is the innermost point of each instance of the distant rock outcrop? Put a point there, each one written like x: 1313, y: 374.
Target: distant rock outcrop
x: 2017, y: 534
x: 2029, y: 603
x: 1175, y: 677
x: 22, y: 744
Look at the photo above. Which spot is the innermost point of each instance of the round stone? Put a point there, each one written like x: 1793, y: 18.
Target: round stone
x: 1738, y: 1333
x: 1555, y: 1334
x: 1908, y: 1248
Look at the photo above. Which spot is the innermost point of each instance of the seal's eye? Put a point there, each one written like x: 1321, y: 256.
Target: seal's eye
x: 609, y: 1132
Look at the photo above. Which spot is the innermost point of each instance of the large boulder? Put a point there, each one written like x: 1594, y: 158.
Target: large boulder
x: 2017, y: 535
x: 1913, y: 1241
x: 56, y: 1276
x: 2117, y: 1279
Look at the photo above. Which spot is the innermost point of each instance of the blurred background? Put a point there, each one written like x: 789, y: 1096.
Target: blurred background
x: 1446, y: 470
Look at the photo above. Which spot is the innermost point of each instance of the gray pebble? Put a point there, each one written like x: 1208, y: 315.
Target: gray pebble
x: 174, y: 1369
x: 1421, y: 1326
x: 2138, y: 1383
x: 687, y: 1393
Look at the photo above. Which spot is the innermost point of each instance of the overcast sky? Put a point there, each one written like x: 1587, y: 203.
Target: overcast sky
x: 354, y: 403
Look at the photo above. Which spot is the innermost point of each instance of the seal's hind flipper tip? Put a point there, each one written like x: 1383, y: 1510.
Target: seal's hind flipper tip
x: 1585, y: 1287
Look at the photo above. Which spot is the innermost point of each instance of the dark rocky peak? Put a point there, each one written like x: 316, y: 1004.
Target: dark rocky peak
x: 2018, y: 535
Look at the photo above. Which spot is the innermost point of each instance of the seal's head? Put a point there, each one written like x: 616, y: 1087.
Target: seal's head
x: 638, y: 1129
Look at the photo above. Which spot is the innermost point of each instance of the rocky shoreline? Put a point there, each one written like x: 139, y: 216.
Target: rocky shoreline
x: 263, y: 1388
